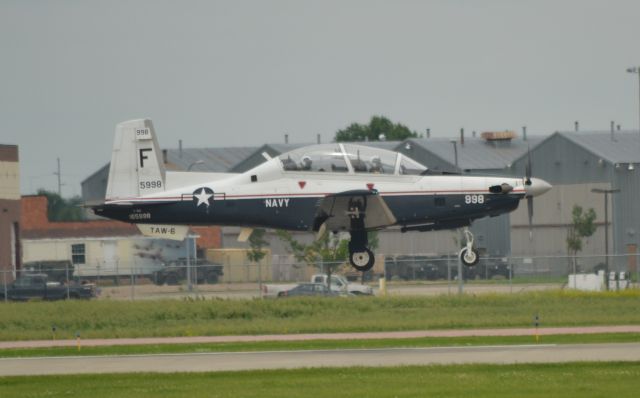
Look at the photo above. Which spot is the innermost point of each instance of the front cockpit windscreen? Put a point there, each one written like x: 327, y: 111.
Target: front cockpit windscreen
x: 366, y: 159
x: 340, y: 158
x: 409, y: 166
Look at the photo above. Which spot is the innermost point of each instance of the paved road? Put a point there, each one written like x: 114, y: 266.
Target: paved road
x: 324, y: 336
x: 212, y: 362
x: 251, y: 290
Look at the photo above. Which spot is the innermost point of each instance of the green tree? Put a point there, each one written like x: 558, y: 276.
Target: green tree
x: 378, y: 125
x: 327, y: 253
x: 60, y: 209
x: 582, y: 226
x: 256, y: 252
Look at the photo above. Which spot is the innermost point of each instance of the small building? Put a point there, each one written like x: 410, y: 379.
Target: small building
x: 101, y: 248
x: 10, y: 246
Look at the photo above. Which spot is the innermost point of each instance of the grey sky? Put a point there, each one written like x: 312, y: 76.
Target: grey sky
x: 233, y: 73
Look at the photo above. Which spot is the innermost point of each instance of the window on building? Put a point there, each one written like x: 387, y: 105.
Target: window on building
x: 77, y: 254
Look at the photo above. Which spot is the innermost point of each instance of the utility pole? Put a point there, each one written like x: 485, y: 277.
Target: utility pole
x: 606, y: 193
x: 59, y: 174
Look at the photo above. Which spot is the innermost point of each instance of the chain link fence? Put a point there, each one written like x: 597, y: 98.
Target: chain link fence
x: 403, y: 274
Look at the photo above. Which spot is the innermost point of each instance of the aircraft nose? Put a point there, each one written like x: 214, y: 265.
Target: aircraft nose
x: 537, y: 187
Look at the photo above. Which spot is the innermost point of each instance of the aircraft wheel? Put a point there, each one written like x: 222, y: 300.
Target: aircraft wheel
x: 469, y: 257
x: 362, y: 261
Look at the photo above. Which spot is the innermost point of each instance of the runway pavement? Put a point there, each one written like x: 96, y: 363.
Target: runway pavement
x: 213, y: 362
x: 414, y: 334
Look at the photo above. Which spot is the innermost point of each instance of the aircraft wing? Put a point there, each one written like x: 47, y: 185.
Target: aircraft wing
x: 337, y: 211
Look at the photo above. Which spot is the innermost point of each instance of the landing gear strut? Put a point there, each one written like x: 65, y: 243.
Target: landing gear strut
x: 360, y: 256
x: 469, y: 255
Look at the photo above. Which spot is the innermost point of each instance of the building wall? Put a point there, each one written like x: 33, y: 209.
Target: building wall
x: 108, y: 256
x: 574, y: 171
x: 10, y: 228
x: 552, y: 219
x: 626, y: 217
x: 111, y: 247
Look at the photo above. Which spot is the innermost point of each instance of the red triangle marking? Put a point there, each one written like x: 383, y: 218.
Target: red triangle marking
x: 370, y: 186
x: 302, y: 184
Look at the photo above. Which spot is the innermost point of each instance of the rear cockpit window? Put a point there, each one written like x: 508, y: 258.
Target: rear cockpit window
x: 318, y: 158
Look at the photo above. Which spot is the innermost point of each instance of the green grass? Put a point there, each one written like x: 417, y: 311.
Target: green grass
x: 551, y: 380
x: 319, y: 345
x: 114, y: 319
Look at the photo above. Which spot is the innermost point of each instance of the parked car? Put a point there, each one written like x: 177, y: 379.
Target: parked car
x: 308, y: 289
x: 38, y: 286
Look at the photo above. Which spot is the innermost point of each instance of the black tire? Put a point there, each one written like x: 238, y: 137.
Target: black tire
x: 469, y: 259
x: 362, y: 261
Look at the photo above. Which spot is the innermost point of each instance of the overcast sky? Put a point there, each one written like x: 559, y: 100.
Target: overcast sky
x: 234, y: 73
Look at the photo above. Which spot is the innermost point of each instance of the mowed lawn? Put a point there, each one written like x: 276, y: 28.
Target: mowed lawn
x: 547, y: 380
x: 113, y: 319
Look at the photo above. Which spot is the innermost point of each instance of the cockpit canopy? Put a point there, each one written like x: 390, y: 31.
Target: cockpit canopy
x: 349, y: 158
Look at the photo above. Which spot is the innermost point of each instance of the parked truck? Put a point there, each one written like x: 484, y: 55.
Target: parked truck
x: 175, y: 272
x: 38, y: 286
x: 339, y: 284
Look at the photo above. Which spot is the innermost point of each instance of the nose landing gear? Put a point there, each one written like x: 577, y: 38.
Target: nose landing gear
x: 469, y: 255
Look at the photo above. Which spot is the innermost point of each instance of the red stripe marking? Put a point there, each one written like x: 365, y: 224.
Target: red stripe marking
x: 317, y: 194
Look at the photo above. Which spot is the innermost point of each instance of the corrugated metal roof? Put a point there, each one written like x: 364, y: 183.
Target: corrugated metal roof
x: 623, y: 148
x: 217, y: 160
x: 282, y: 148
x: 477, y: 153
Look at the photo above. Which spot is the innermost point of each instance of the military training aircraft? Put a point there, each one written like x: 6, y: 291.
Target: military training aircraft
x: 337, y: 187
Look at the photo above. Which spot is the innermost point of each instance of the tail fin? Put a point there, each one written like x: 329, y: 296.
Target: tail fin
x: 136, y: 162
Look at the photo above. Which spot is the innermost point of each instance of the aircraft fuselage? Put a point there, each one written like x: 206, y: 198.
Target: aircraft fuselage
x: 291, y: 202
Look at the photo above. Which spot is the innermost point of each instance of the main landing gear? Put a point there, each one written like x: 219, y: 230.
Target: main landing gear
x: 360, y: 257
x: 469, y: 255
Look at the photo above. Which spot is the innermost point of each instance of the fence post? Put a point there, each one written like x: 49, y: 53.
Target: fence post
x: 132, y: 269
x: 4, y: 278
x: 460, y: 277
x: 66, y: 272
x: 448, y: 275
x: 509, y: 262
x: 637, y: 271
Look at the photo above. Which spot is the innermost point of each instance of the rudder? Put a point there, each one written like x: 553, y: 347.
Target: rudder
x: 136, y: 162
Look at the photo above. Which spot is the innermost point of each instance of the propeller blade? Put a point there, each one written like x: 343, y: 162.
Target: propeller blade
x: 530, y: 213
x: 528, y: 167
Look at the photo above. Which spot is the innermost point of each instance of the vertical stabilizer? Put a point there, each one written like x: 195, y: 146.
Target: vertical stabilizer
x: 136, y: 162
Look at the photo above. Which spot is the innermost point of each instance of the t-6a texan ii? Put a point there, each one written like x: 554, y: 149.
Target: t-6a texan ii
x: 336, y: 187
